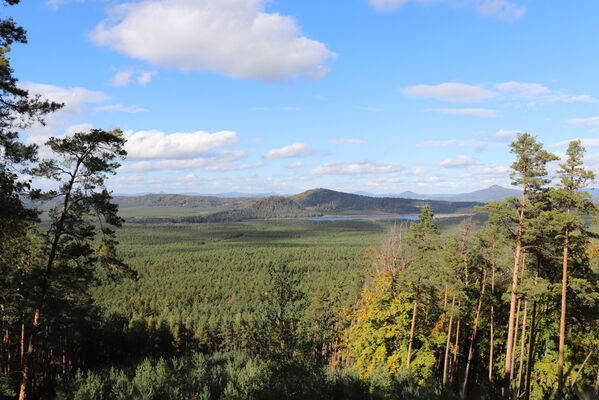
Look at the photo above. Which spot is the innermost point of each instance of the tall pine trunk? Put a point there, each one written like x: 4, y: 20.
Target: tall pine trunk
x: 456, y: 348
x: 562, y: 320
x: 522, y: 340
x: 510, y: 330
x: 530, y: 354
x: 513, y: 355
x: 473, y: 335
x: 412, y: 328
x: 447, y: 344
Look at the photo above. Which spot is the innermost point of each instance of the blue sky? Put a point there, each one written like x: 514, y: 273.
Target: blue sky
x: 282, y: 96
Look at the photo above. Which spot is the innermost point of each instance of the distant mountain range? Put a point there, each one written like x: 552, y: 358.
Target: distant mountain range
x: 492, y: 193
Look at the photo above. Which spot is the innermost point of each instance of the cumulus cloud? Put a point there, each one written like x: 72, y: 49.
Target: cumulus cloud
x: 504, y: 135
x: 296, y: 150
x: 537, y: 93
x: 125, y: 76
x: 522, y: 89
x: 503, y: 9
x: 358, y: 168
x: 593, y: 121
x: 487, y: 170
x: 477, y: 112
x: 237, y: 38
x: 457, y: 92
x: 153, y: 144
x: 451, y: 91
x: 76, y: 101
x: 591, y: 143
x: 145, y: 77
x: 218, y: 162
x: 458, y: 162
x: 120, y: 107
x: 347, y: 141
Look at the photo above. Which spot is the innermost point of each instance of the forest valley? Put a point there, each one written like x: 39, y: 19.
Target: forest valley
x: 502, y: 304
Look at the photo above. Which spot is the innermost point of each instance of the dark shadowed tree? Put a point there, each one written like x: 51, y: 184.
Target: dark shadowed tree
x: 81, y: 165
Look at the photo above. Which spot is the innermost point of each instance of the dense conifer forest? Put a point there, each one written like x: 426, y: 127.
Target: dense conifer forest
x: 502, y: 303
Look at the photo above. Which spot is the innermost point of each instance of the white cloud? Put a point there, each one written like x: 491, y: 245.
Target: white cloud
x: 219, y: 162
x: 296, y: 150
x: 503, y: 9
x: 145, y: 77
x: 450, y: 91
x: 122, y: 108
x: 522, y: 89
x: 236, y: 38
x: 293, y: 165
x: 584, y: 142
x: 71, y: 130
x: 504, y: 135
x: 537, y: 93
x: 477, y: 112
x: 486, y: 170
x: 358, y: 168
x: 146, y: 145
x: 593, y: 121
x: 347, y: 141
x: 123, y: 77
x: 76, y: 101
x: 458, y: 162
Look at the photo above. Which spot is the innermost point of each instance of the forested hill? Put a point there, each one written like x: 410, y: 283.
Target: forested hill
x: 267, y: 208
x: 180, y: 200
x: 318, y: 202
x: 330, y: 201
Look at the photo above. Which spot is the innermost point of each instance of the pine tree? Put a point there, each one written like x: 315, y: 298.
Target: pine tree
x: 82, y: 163
x: 530, y: 173
x: 573, y: 203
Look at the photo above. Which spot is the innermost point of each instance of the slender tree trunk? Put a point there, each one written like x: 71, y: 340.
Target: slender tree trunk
x: 473, y: 335
x: 22, y: 339
x: 491, y: 339
x: 513, y: 354
x: 7, y: 347
x: 562, y: 321
x: 582, y: 367
x: 412, y: 329
x: 448, y: 341
x: 522, y: 340
x: 531, y: 347
x: 45, y: 282
x: 456, y: 347
x: 445, y: 297
x: 597, y: 383
x: 510, y: 329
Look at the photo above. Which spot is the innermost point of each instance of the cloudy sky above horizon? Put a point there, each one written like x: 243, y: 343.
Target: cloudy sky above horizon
x: 282, y: 96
